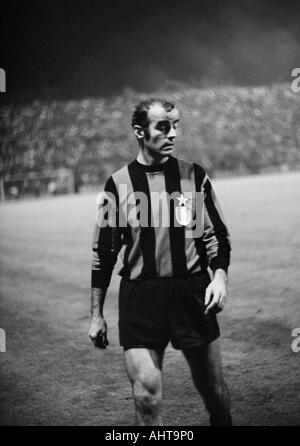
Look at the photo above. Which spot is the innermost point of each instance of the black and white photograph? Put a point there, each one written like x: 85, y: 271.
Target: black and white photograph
x: 150, y: 215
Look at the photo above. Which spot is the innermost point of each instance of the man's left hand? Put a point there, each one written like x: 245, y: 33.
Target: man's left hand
x: 216, y: 293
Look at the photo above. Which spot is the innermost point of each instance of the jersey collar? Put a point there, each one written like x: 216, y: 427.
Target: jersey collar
x: 154, y: 167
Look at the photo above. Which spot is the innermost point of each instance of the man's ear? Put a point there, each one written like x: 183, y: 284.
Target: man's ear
x: 138, y: 131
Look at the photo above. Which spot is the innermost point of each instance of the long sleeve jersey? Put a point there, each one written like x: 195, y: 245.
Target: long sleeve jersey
x: 182, y: 230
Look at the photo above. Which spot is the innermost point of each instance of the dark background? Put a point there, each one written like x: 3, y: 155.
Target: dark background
x: 73, y: 49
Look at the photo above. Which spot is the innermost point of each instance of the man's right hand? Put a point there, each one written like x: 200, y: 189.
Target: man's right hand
x: 98, y: 332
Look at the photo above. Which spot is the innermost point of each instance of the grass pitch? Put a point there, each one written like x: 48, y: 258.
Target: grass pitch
x: 52, y: 375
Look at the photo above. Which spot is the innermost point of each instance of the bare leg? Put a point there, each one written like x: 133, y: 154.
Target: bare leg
x: 206, y: 368
x: 144, y: 369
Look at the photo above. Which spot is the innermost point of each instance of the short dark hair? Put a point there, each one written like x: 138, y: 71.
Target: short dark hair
x: 140, y: 114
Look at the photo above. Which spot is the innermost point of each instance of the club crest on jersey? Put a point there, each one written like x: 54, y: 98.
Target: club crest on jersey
x: 183, y: 212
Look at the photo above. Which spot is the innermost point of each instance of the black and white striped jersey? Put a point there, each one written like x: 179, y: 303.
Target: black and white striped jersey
x: 164, y: 241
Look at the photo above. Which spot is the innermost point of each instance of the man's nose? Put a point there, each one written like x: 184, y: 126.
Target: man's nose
x: 172, y: 133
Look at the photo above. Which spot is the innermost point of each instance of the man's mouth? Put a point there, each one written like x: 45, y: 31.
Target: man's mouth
x: 168, y: 145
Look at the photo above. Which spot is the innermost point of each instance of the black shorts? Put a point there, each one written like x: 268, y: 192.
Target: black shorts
x: 155, y: 311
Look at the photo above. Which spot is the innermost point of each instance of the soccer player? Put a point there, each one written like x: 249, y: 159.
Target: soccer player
x: 161, y: 214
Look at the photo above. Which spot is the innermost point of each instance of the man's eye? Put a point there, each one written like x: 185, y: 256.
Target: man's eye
x: 163, y: 128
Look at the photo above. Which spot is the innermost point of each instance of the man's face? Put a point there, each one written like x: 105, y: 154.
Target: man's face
x: 159, y: 138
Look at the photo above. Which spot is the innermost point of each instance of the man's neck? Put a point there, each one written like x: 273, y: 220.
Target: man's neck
x: 147, y: 159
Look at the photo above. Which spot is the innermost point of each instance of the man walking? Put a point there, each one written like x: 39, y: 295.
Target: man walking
x: 161, y: 214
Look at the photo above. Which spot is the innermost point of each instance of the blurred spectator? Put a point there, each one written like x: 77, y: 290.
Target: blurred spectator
x: 14, y: 192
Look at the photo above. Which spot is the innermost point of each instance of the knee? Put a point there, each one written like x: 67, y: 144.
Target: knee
x: 147, y: 390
